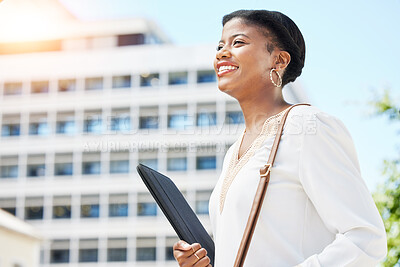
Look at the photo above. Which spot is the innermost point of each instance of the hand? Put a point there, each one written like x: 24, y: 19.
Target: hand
x: 191, y: 255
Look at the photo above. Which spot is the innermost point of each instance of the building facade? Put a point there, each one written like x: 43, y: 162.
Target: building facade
x: 80, y: 108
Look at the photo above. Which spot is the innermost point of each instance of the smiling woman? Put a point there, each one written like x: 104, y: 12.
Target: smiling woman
x: 317, y: 210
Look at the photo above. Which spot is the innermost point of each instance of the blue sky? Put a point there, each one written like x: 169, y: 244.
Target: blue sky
x: 353, y: 53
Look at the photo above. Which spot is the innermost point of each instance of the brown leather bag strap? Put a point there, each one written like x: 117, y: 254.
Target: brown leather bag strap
x: 260, y: 195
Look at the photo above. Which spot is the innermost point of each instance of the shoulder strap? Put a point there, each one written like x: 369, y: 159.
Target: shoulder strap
x: 260, y: 195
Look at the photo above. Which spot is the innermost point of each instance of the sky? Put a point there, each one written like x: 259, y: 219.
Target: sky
x: 352, y: 55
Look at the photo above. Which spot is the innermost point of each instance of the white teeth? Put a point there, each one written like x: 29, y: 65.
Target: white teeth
x: 230, y: 67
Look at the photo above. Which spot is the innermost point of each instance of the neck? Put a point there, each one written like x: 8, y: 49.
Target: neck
x: 258, y: 107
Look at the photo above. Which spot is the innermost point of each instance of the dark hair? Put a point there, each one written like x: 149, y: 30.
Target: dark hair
x: 285, y: 34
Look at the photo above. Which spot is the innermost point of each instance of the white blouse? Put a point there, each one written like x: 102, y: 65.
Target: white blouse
x: 317, y: 210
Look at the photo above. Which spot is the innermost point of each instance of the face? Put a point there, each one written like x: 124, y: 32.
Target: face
x: 242, y: 62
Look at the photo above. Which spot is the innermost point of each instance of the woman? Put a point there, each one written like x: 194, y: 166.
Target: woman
x: 317, y: 210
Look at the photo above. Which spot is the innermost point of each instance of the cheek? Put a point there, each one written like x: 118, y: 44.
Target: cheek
x: 215, y: 65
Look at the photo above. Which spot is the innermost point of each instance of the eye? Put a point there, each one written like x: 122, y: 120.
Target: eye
x: 219, y: 47
x: 238, y: 42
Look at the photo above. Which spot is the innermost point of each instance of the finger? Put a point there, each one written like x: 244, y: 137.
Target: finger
x: 201, y: 253
x: 181, y: 245
x: 195, y: 247
x: 203, y: 262
x: 198, y: 256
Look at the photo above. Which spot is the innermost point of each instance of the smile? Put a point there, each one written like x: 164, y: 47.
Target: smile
x: 226, y: 69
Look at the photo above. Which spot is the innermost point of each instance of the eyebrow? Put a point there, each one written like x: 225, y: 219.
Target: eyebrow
x: 236, y: 35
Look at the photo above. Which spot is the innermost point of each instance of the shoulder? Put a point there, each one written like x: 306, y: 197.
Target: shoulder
x: 311, y: 120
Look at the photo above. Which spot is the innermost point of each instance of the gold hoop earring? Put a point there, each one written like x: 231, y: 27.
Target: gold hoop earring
x: 279, y: 84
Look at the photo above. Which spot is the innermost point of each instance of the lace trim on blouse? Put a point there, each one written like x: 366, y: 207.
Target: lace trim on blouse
x: 269, y: 129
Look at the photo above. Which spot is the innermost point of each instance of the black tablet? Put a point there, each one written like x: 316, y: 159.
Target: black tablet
x: 178, y: 212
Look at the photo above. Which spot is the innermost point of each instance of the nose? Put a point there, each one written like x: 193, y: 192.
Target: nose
x: 223, y: 52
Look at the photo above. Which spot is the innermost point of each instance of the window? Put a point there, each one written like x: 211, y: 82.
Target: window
x: 12, y: 88
x: 59, y: 251
x: 62, y: 212
x: 11, y: 125
x: 118, y: 210
x: 119, y: 162
x: 33, y: 213
x: 38, y: 124
x: 118, y: 205
x: 63, y: 164
x: 152, y: 163
x: 8, y: 204
x: 65, y: 127
x: 169, y: 252
x: 91, y: 167
x: 116, y: 250
x: 202, y: 201
x: 90, y: 207
x: 65, y: 123
x: 234, y: 117
x: 145, y: 249
x: 205, y: 158
x: 92, y: 122
x: 206, y: 76
x: 131, y: 39
x: 36, y: 166
x: 149, y: 79
x: 67, y: 85
x: 62, y: 207
x: 121, y: 81
x: 178, y: 78
x: 206, y: 163
x: 233, y: 114
x: 10, y: 130
x: 34, y: 208
x: 35, y: 170
x: 146, y: 205
x: 178, y: 118
x: 149, y: 158
x: 148, y: 118
x: 206, y: 114
x: 9, y: 167
x: 177, y: 164
x: 91, y: 163
x: 9, y: 171
x: 38, y: 128
x: 88, y: 251
x: 176, y: 159
x: 119, y: 166
x: 120, y: 120
x: 95, y: 83
x: 178, y: 121
x: 38, y: 87
x: 206, y: 119
x: 121, y: 123
x: 147, y: 209
x: 11, y: 210
x: 149, y: 122
x: 63, y: 168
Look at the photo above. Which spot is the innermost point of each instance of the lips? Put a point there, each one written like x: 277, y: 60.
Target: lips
x: 225, y: 67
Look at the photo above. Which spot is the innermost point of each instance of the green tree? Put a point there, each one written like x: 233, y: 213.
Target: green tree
x: 387, y: 196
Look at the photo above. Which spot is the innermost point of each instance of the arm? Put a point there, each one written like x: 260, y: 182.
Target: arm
x: 331, y: 178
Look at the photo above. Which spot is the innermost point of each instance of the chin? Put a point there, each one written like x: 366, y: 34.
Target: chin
x: 227, y: 90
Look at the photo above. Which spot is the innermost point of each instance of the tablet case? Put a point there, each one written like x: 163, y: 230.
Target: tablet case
x: 178, y: 212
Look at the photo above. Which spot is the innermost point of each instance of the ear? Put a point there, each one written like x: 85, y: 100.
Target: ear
x: 282, y: 60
